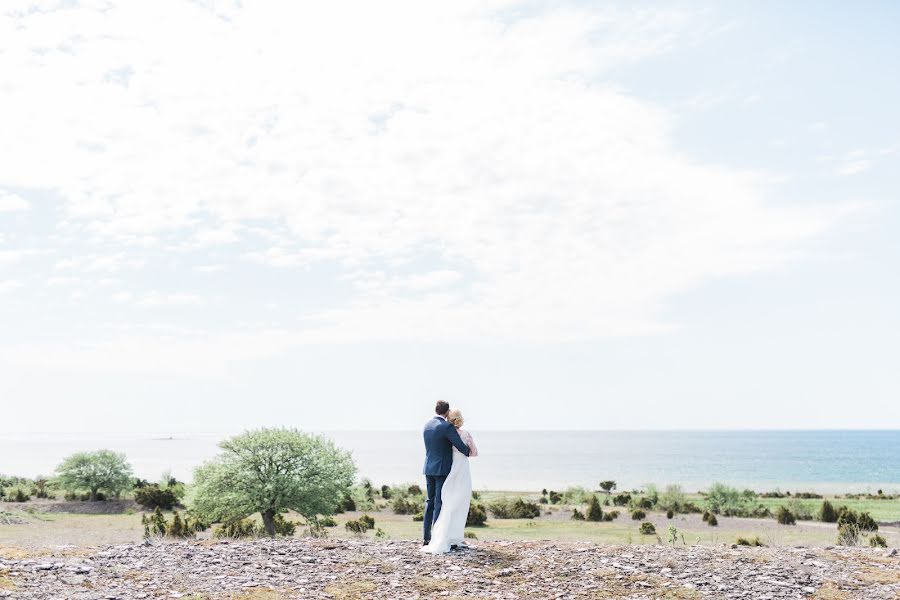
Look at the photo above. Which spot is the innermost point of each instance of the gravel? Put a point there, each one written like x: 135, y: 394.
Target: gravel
x: 346, y: 569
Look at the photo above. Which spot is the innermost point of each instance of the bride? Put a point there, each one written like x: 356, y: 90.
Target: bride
x: 455, y: 495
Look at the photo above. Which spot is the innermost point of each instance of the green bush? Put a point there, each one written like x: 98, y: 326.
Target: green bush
x: 153, y: 496
x: 611, y: 515
x: 672, y: 499
x: 470, y: 535
x: 404, y: 505
x: 594, y: 512
x: 647, y: 528
x: 669, y: 514
x: 555, y: 497
x: 327, y: 521
x: 745, y: 542
x: 368, y: 521
x: 644, y: 503
x: 866, y: 522
x: 706, y: 516
x: 357, y: 528
x: 155, y: 524
x: 18, y: 494
x: 876, y: 541
x: 419, y: 516
x: 238, y: 528
x: 477, y: 516
x: 784, y: 516
x: 848, y: 534
x: 712, y: 521
x: 505, y: 508
x: 386, y: 492
x: 576, y: 495
x: 622, y: 499
x: 414, y: 490
x: 827, y: 513
x: 577, y: 515
x: 638, y: 514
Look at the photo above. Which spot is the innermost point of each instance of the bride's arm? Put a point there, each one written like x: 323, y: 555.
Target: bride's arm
x: 470, y: 442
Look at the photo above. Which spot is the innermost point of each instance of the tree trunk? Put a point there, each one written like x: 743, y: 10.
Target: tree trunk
x: 93, y: 495
x: 268, y: 518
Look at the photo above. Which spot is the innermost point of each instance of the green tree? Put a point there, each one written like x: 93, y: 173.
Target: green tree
x: 607, y: 486
x: 269, y: 471
x: 103, y: 470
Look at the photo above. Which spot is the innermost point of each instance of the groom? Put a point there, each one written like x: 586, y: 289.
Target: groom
x: 440, y: 437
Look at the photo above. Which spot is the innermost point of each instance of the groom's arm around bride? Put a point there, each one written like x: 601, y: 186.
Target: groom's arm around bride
x: 440, y: 439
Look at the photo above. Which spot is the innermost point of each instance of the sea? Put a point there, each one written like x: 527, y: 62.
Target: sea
x: 809, y: 460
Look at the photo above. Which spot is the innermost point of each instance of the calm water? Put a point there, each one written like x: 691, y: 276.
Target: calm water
x: 795, y: 460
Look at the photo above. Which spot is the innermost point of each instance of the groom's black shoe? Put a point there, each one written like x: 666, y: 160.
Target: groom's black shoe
x: 453, y: 546
x: 426, y: 542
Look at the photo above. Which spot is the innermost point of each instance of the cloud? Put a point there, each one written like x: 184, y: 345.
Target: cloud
x: 9, y: 285
x: 472, y: 169
x: 10, y: 202
x: 156, y: 299
x: 854, y: 167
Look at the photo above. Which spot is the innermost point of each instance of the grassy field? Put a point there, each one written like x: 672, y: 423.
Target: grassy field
x: 52, y: 529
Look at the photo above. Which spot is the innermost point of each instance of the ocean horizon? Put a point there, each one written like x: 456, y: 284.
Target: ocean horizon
x: 825, y: 461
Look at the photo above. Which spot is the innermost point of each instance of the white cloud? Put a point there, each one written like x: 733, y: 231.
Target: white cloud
x: 481, y: 146
x: 10, y: 202
x: 854, y: 167
x: 9, y: 285
x: 156, y: 299
x: 209, y: 268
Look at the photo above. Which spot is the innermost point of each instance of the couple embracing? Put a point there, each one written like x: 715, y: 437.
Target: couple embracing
x: 448, y: 479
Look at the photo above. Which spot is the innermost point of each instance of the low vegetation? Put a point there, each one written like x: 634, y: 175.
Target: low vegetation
x: 505, y: 508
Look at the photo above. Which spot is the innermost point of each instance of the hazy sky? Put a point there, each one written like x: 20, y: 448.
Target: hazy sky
x: 554, y: 215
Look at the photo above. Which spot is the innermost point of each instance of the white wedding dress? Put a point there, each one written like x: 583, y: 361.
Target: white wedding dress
x: 456, y: 495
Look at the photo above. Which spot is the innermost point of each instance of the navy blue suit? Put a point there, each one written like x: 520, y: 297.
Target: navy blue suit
x: 440, y: 438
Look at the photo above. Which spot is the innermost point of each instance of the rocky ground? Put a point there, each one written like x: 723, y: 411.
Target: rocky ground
x: 270, y: 569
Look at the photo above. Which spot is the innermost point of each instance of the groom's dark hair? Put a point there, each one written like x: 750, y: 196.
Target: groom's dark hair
x: 442, y: 407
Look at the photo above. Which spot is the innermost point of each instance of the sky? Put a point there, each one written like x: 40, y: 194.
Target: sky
x: 555, y: 215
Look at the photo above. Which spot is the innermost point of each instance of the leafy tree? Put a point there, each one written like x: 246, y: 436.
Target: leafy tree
x: 269, y: 471
x: 103, y: 470
x: 607, y: 486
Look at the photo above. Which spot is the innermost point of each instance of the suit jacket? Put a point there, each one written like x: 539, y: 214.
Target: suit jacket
x: 440, y: 438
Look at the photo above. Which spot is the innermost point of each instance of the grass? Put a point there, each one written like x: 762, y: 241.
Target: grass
x: 351, y: 591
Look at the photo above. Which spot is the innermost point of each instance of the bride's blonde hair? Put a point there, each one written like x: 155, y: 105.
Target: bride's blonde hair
x: 455, y: 418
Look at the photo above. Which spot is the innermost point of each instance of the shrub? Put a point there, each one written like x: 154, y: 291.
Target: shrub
x: 368, y: 521
x: 669, y: 514
x: 866, y: 523
x: 18, y: 495
x: 414, y: 490
x: 357, y: 528
x: 745, y: 542
x: 672, y: 499
x: 876, y: 541
x: 514, y: 509
x: 577, y: 515
x: 848, y: 534
x: 155, y: 524
x: 706, y: 516
x: 594, y: 512
x: 638, y: 514
x: 575, y: 495
x: 477, y: 516
x: 346, y: 504
x: 644, y: 503
x: 327, y: 521
x: 784, y: 516
x: 403, y: 505
x: 801, y: 511
x: 419, y: 516
x: 470, y: 535
x: 622, y: 499
x: 611, y: 515
x: 827, y: 513
x: 555, y: 497
x: 712, y: 521
x: 380, y: 534
x: 238, y: 528
x: 152, y: 496
x: 386, y: 492
x: 647, y: 528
